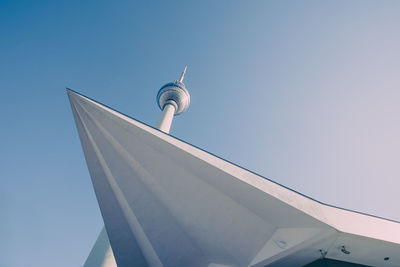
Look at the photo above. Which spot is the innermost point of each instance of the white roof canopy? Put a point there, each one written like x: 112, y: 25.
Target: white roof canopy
x: 167, y: 203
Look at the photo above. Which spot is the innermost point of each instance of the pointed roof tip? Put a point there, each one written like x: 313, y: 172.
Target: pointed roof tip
x: 72, y: 91
x: 69, y: 90
x: 73, y: 94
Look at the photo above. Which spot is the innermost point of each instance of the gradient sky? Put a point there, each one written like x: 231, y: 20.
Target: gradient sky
x: 306, y: 93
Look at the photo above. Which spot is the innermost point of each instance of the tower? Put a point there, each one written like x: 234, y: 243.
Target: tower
x: 173, y: 99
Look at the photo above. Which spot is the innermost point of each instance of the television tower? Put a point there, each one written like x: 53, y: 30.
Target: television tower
x: 173, y: 99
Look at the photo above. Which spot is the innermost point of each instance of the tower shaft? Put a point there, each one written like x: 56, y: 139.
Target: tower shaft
x: 165, y: 121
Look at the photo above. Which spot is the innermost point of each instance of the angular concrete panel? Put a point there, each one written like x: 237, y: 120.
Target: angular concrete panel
x: 167, y: 203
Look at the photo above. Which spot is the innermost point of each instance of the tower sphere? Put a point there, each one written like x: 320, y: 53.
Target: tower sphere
x: 176, y: 94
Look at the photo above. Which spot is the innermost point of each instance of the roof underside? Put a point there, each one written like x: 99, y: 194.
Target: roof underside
x: 332, y: 263
x: 167, y: 203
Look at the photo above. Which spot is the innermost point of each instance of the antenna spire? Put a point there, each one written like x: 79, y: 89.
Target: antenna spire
x: 183, y: 74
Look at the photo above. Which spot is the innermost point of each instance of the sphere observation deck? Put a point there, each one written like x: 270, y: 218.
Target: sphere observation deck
x: 176, y: 94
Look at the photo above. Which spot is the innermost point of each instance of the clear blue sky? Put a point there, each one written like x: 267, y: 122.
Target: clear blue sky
x: 306, y: 93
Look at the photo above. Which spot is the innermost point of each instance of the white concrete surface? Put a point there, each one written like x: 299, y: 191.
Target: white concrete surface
x: 167, y: 203
x: 101, y: 254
